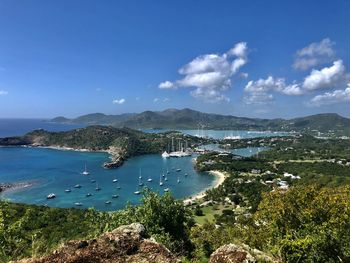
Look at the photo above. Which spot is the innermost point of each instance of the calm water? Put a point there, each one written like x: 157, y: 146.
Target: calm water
x: 245, y: 152
x: 220, y: 134
x: 17, y: 127
x: 53, y: 171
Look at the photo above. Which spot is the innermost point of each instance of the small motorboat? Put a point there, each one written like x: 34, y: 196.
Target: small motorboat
x: 68, y: 190
x: 77, y: 186
x: 108, y: 202
x: 78, y: 204
x: 88, y: 195
x: 149, y: 180
x: 137, y: 192
x: 178, y: 170
x: 115, y: 180
x: 93, y: 181
x: 115, y: 196
x: 51, y: 196
x: 166, y: 189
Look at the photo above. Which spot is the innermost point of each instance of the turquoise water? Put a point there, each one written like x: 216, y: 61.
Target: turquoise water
x: 221, y: 134
x: 245, y: 152
x: 53, y: 171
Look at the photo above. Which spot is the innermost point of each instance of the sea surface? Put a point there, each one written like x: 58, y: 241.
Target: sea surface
x: 221, y: 134
x: 54, y: 171
x: 18, y: 127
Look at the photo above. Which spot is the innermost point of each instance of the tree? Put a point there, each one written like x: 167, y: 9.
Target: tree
x: 304, y: 224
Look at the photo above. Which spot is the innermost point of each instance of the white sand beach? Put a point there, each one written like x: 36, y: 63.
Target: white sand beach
x: 221, y: 176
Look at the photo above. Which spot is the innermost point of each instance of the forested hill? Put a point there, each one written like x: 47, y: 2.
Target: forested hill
x: 101, y: 138
x: 191, y: 119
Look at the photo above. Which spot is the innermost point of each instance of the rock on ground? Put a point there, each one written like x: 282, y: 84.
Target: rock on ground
x: 231, y: 254
x: 124, y: 244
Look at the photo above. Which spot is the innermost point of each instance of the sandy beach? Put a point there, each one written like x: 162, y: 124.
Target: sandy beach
x: 221, y: 176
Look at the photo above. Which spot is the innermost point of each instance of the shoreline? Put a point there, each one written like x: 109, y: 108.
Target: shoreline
x: 12, y: 187
x: 221, y: 176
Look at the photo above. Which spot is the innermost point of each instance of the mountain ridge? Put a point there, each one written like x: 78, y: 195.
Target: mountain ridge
x: 191, y: 119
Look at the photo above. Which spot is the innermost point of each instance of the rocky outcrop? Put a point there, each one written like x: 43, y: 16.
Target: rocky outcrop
x: 231, y: 254
x: 125, y: 244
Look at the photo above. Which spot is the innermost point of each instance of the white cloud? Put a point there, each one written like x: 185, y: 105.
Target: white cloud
x: 166, y: 99
x: 327, y: 77
x: 118, y: 101
x: 328, y: 98
x: 244, y: 75
x: 210, y: 74
x: 167, y: 85
x: 155, y: 100
x: 3, y: 92
x: 258, y: 98
x: 259, y: 91
x: 314, y: 54
x: 239, y: 50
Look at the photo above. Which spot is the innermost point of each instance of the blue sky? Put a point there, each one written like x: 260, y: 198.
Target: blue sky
x: 245, y: 58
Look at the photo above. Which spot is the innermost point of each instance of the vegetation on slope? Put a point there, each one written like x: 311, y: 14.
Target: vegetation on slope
x: 328, y: 123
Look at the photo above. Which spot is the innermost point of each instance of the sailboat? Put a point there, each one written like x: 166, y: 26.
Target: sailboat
x: 137, y: 192
x: 108, y: 202
x: 115, y: 196
x: 149, y: 180
x: 88, y: 195
x: 178, y: 180
x: 115, y: 180
x: 160, y: 181
x: 140, y: 182
x: 85, y: 172
x: 97, y: 187
x: 68, y: 190
x: 118, y: 186
x: 166, y: 189
x: 166, y: 179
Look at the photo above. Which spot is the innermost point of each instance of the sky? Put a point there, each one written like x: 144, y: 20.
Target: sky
x: 266, y: 59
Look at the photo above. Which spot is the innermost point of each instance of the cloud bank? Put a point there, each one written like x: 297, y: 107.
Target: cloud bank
x: 314, y: 54
x: 210, y: 75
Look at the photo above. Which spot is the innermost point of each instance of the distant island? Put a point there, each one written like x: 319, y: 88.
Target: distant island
x: 120, y: 143
x: 327, y: 124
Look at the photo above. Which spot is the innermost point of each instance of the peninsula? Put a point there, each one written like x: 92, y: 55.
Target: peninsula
x: 120, y: 143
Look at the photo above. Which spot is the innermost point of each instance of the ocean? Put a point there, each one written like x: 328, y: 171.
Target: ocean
x: 54, y: 171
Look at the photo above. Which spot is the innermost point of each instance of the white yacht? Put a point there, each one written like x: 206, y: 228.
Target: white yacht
x: 85, y: 172
x: 50, y: 196
x: 165, y: 154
